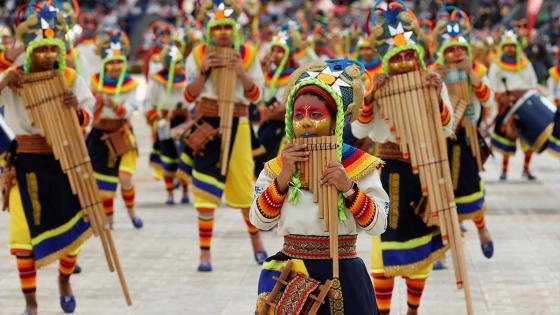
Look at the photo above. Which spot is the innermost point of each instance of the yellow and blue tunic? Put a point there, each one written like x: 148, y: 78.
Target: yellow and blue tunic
x: 46, y: 219
x: 208, y: 183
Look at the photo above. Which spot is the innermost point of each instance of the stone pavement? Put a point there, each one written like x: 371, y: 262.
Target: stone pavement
x: 160, y: 260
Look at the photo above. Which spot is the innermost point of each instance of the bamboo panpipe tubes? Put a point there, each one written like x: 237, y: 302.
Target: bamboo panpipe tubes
x: 323, y: 150
x: 225, y: 80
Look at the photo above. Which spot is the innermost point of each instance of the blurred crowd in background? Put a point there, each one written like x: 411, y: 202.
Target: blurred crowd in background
x: 135, y: 17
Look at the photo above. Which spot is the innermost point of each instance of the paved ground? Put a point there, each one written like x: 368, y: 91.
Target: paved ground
x: 160, y: 260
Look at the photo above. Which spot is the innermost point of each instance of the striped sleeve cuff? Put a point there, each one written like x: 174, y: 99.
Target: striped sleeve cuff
x: 366, y: 113
x: 270, y: 201
x: 445, y: 115
x: 4, y: 63
x: 83, y: 117
x: 188, y: 96
x: 482, y: 93
x: 120, y: 110
x: 363, y: 209
x: 253, y: 93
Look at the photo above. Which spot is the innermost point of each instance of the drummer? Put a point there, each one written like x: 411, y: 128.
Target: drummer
x: 511, y: 74
x: 408, y: 247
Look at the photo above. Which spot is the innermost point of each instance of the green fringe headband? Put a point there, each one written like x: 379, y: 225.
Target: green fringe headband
x: 279, y: 69
x: 226, y: 21
x: 294, y: 195
x: 121, y: 75
x: 419, y: 50
x: 441, y: 58
x: 42, y: 43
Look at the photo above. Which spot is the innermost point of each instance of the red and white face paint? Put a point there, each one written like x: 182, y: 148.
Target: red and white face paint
x: 403, y: 62
x: 311, y: 117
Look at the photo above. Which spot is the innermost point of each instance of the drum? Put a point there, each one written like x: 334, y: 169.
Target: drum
x: 6, y: 136
x: 534, y: 116
x: 554, y: 141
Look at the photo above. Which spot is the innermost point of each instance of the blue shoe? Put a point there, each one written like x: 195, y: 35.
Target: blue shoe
x: 487, y: 249
x: 77, y: 269
x: 260, y: 256
x: 205, y: 267
x: 26, y: 313
x: 185, y: 200
x: 438, y: 265
x: 137, y: 222
x: 68, y: 304
x: 169, y: 201
x: 529, y: 176
x: 503, y: 176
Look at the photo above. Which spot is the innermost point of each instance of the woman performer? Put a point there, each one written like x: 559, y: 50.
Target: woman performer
x: 408, y: 247
x: 115, y: 92
x: 46, y: 223
x: 319, y: 96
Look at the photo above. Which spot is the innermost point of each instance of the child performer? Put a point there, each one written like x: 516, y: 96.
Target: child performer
x: 318, y: 98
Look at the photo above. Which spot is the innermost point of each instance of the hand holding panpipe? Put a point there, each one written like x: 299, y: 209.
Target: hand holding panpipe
x: 322, y: 150
x: 43, y: 94
x: 411, y: 106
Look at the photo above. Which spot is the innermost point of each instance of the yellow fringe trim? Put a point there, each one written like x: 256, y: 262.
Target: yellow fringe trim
x: 394, y: 191
x: 417, y: 266
x: 65, y: 251
x: 474, y: 214
x: 456, y: 166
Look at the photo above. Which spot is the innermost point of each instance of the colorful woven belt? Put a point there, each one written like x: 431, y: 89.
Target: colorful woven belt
x: 317, y: 247
x: 210, y: 108
x: 33, y: 144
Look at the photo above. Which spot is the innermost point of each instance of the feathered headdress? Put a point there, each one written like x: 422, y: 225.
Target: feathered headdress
x: 43, y: 27
x: 220, y: 12
x: 452, y: 29
x: 339, y: 79
x: 88, y: 23
x: 186, y: 33
x: 392, y: 30
x: 112, y: 44
x: 4, y: 32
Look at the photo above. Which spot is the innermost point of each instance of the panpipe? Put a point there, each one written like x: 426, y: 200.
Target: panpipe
x: 458, y: 85
x: 43, y: 94
x: 225, y: 81
x: 411, y: 108
x: 322, y: 150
